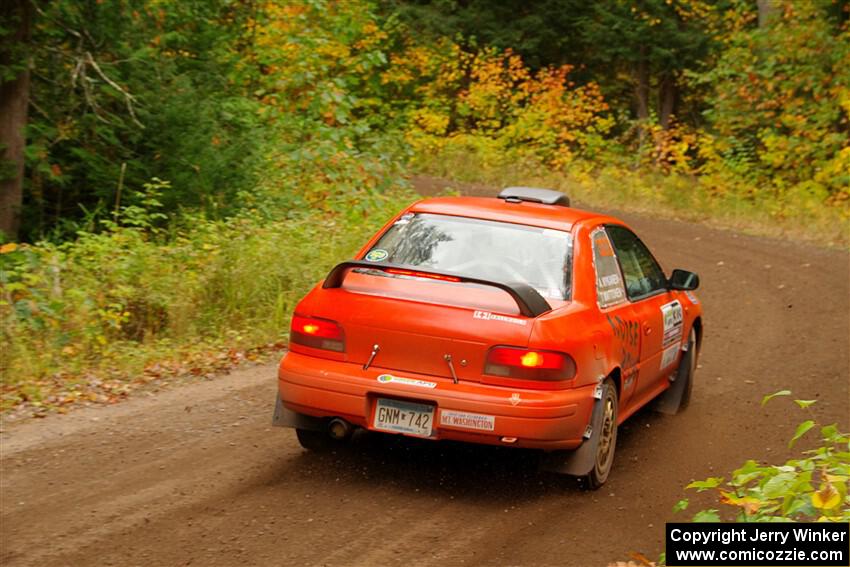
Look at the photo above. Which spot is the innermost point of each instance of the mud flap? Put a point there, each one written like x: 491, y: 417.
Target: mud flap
x: 580, y: 461
x: 670, y: 402
x: 287, y: 418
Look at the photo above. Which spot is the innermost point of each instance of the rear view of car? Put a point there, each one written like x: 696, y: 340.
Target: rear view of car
x: 458, y: 320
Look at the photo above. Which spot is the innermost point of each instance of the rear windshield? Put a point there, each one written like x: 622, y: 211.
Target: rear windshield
x: 489, y: 250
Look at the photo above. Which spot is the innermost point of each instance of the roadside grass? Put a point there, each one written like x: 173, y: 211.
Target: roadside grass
x: 709, y: 200
x: 91, y: 319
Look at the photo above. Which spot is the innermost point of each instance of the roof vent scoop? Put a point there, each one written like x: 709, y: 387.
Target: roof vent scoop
x: 534, y: 195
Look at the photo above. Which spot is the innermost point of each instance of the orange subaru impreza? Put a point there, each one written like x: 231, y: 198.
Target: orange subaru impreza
x: 514, y: 320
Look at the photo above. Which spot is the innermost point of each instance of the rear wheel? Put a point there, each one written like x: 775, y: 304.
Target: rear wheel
x: 676, y: 398
x: 606, y: 430
x: 687, y: 368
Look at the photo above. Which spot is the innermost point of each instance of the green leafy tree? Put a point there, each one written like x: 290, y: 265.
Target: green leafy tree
x: 124, y: 91
x: 637, y: 51
x: 778, y: 107
x: 543, y: 32
x: 649, y: 46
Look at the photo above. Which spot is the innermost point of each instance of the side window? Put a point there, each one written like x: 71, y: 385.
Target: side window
x: 642, y: 273
x: 609, y: 284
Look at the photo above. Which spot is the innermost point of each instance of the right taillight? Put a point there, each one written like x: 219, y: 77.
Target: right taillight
x: 529, y: 364
x: 317, y: 333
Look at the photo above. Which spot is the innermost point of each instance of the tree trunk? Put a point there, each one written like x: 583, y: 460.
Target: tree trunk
x: 641, y: 101
x: 767, y: 9
x: 642, y: 87
x: 14, y: 100
x: 667, y: 100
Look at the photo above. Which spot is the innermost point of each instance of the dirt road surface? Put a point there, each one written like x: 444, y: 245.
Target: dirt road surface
x: 196, y: 475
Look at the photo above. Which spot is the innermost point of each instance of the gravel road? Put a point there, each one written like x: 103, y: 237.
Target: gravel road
x: 195, y: 475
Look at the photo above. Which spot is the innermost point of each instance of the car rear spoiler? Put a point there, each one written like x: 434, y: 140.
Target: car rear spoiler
x: 528, y: 299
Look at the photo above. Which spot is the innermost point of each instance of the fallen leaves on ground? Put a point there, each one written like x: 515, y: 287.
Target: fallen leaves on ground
x: 64, y: 390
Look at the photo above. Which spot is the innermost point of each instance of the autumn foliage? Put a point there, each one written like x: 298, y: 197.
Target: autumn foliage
x: 493, y: 96
x: 191, y: 167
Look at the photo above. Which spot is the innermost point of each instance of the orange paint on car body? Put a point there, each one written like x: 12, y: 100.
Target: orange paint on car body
x: 490, y: 374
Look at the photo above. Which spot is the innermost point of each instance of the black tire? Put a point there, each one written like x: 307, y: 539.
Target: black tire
x: 676, y: 398
x: 317, y: 441
x: 687, y: 368
x: 606, y: 438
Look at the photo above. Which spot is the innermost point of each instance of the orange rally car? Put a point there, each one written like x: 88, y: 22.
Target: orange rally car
x: 515, y: 321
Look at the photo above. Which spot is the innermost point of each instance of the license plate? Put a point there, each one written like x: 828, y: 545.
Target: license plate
x: 404, y: 417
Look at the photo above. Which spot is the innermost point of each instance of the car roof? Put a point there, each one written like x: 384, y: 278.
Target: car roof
x: 490, y: 208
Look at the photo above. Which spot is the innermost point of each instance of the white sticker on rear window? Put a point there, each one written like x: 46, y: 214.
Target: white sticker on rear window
x: 403, y: 220
x: 377, y: 255
x: 467, y: 420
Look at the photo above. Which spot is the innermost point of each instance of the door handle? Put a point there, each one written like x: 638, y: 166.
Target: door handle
x: 647, y: 329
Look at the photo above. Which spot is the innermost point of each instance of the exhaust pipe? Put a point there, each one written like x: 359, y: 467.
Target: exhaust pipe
x: 339, y: 429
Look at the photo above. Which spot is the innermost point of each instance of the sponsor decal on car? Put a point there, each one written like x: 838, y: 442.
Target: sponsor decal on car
x: 487, y: 316
x: 669, y: 356
x: 610, y: 289
x: 404, y: 219
x: 672, y: 316
x: 628, y: 333
x: 467, y: 420
x: 609, y: 283
x: 692, y: 297
x: 377, y: 255
x: 389, y: 378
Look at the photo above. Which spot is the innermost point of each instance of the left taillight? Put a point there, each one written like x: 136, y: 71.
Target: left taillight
x: 317, y: 333
x: 528, y: 364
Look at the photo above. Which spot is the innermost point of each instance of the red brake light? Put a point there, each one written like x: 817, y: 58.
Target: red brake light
x: 317, y: 333
x: 527, y: 364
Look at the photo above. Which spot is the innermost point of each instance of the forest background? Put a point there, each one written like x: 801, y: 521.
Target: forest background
x: 176, y: 174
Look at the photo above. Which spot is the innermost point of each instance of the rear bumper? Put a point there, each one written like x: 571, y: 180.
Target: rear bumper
x: 542, y: 419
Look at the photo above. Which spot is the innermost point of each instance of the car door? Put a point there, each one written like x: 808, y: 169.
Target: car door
x: 617, y: 311
x: 654, y: 308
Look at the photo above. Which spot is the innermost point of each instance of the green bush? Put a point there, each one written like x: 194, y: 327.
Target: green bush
x: 812, y: 487
x: 135, y: 292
